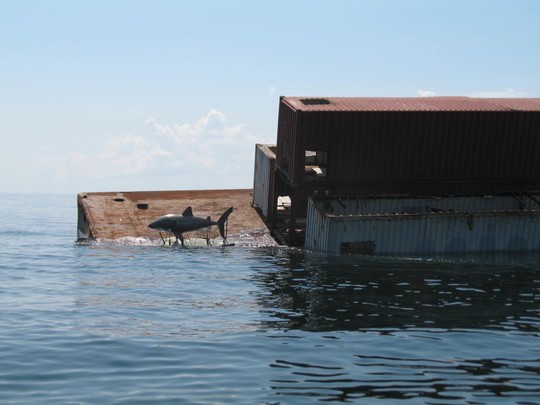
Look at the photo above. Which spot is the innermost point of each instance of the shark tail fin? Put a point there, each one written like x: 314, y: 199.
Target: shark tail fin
x: 221, y: 222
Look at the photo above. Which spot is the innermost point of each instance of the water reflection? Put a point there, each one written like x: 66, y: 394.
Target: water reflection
x: 412, y: 378
x: 436, y: 331
x: 335, y: 329
x: 320, y: 293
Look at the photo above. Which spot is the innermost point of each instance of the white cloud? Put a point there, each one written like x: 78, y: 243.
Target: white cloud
x: 507, y: 92
x: 208, y: 146
x: 130, y: 154
x: 426, y: 93
x: 208, y: 142
x: 212, y: 128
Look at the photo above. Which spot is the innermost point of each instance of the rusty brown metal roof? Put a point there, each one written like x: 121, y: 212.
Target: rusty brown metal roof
x: 518, y: 104
x: 411, y: 104
x: 110, y: 215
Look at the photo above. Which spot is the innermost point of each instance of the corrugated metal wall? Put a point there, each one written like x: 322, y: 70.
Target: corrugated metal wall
x: 286, y: 140
x: 317, y: 227
x: 263, y: 178
x: 424, y: 146
x: 472, y: 231
x: 498, y: 150
x: 410, y: 205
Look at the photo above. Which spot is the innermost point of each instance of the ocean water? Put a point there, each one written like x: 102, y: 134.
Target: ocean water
x: 114, y: 323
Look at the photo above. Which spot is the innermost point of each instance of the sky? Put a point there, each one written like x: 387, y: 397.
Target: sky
x: 125, y: 95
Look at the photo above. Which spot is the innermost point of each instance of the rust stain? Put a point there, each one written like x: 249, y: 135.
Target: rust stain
x: 114, y: 215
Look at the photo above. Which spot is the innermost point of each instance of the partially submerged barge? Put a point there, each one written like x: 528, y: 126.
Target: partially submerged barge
x: 372, y: 175
x: 123, y: 215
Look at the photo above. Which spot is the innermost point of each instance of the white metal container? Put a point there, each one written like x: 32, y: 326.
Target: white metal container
x: 394, y: 225
x: 263, y: 179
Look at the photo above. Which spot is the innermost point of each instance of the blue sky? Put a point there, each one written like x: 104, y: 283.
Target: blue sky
x: 151, y: 95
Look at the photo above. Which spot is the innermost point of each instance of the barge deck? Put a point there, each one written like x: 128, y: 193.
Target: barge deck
x: 116, y: 215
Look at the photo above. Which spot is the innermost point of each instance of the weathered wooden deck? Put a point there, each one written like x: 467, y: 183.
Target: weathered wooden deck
x: 111, y: 215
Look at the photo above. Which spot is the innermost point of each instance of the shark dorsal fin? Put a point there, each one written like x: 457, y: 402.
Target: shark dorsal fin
x: 188, y: 212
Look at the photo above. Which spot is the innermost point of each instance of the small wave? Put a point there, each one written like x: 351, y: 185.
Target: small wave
x: 254, y: 238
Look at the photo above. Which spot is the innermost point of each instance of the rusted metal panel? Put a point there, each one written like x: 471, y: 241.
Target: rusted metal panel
x: 424, y: 147
x: 425, y: 205
x: 310, y: 104
x: 263, y: 179
x: 522, y: 104
x: 286, y: 140
x: 317, y: 227
x: 481, y: 225
x: 469, y: 146
x: 83, y: 224
x: 127, y: 214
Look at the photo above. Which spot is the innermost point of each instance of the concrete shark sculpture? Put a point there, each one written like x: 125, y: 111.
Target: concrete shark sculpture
x: 178, y: 224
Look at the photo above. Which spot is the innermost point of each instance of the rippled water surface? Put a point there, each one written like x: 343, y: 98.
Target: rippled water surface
x: 119, y: 323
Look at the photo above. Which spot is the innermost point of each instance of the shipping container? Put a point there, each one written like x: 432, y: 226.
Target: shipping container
x: 421, y: 226
x: 432, y: 146
x: 263, y: 179
x: 411, y: 143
